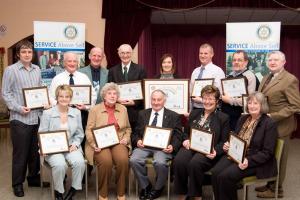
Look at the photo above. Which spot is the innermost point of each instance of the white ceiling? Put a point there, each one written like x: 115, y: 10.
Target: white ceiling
x: 223, y: 15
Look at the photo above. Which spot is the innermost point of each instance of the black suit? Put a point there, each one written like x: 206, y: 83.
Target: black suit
x: 190, y: 165
x: 170, y: 119
x: 135, y: 72
x: 260, y: 155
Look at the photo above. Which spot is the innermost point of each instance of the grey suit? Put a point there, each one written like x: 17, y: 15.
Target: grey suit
x: 103, y: 78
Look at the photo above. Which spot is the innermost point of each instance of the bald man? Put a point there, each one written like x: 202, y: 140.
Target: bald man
x: 95, y: 72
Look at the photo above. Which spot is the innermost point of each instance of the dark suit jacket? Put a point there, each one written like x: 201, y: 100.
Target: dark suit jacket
x: 136, y: 72
x: 260, y: 153
x: 170, y: 120
x: 219, y: 125
x: 284, y: 101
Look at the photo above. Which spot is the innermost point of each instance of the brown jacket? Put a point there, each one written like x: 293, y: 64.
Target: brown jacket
x: 98, y: 117
x: 284, y: 101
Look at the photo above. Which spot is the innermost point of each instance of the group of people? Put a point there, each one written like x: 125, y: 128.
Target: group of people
x: 271, y: 106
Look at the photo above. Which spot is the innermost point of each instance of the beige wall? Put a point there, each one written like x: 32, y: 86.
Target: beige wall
x: 18, y: 17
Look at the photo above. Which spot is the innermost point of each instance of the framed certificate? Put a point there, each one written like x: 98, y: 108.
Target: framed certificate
x: 52, y: 142
x: 131, y: 90
x: 157, y: 137
x: 105, y: 136
x: 199, y: 84
x: 234, y: 87
x: 244, y: 101
x: 82, y: 94
x: 36, y: 97
x: 177, y: 91
x: 237, y: 148
x: 201, y: 141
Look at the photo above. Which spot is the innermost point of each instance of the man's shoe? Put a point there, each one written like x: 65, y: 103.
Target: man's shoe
x: 58, y: 196
x: 154, y: 194
x: 70, y: 194
x: 18, y: 190
x: 262, y: 188
x: 269, y: 194
x: 144, y: 193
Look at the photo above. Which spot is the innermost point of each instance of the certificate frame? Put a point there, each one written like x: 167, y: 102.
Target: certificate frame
x: 244, y: 101
x: 234, y: 87
x: 77, y: 91
x: 201, y: 134
x: 126, y: 87
x: 177, y: 91
x: 103, y: 134
x: 201, y: 83
x: 163, y: 139
x: 46, y: 138
x: 40, y: 94
x: 236, y: 143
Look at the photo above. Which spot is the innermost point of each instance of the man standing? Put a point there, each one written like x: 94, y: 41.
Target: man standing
x: 128, y: 71
x: 282, y: 90
x: 23, y: 121
x: 231, y: 105
x: 94, y: 71
x: 158, y: 116
x: 206, y: 70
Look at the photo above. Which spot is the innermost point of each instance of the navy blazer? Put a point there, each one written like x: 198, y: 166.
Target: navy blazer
x: 260, y: 153
x: 170, y: 120
x: 219, y: 125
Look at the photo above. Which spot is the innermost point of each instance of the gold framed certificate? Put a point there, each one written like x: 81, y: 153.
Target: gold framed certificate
x: 176, y: 90
x: 52, y: 142
x: 105, y: 136
x: 199, y: 84
x: 82, y: 94
x: 36, y: 97
x: 201, y: 141
x: 234, y: 87
x: 244, y: 101
x: 237, y: 148
x: 131, y: 90
x: 157, y: 137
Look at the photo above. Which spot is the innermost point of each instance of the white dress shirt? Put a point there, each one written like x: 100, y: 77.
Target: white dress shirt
x: 64, y: 77
x: 159, y: 117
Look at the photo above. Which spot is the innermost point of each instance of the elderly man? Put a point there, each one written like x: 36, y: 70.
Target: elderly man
x: 23, y: 121
x: 128, y: 71
x: 71, y: 77
x: 158, y: 116
x: 95, y: 72
x: 231, y: 105
x: 282, y: 90
x: 206, y: 70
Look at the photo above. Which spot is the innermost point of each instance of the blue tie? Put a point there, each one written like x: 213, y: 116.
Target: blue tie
x: 201, y: 73
x: 154, y: 122
x: 71, y: 81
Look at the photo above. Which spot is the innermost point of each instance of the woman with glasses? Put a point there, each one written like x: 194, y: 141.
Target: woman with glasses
x: 189, y: 165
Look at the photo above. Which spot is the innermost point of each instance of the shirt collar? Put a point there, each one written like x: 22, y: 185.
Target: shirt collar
x: 160, y: 113
x: 128, y: 65
x: 103, y: 109
x: 20, y: 65
x: 56, y: 113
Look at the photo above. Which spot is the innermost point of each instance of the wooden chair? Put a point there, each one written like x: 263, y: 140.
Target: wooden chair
x: 253, y: 180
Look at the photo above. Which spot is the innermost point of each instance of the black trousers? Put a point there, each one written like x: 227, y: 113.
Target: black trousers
x: 189, y: 172
x: 225, y: 176
x: 25, y: 151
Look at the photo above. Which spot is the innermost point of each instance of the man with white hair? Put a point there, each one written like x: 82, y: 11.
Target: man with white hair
x: 124, y: 72
x: 282, y: 90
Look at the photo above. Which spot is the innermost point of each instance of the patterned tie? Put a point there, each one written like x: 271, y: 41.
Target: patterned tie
x: 154, y: 122
x: 267, y: 81
x: 71, y: 81
x: 201, y: 72
x: 125, y: 73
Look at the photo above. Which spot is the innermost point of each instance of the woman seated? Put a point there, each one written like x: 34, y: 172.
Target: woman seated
x: 167, y: 68
x: 109, y: 112
x: 260, y: 133
x: 63, y: 117
x: 189, y: 165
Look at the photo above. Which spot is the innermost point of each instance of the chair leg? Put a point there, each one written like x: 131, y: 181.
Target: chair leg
x: 245, y: 193
x: 52, y: 186
x: 129, y: 181
x: 276, y: 187
x: 86, y: 181
x: 169, y: 174
x: 97, y: 192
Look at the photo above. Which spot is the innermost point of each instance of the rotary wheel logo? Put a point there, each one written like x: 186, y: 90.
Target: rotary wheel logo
x: 70, y: 32
x: 264, y: 32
